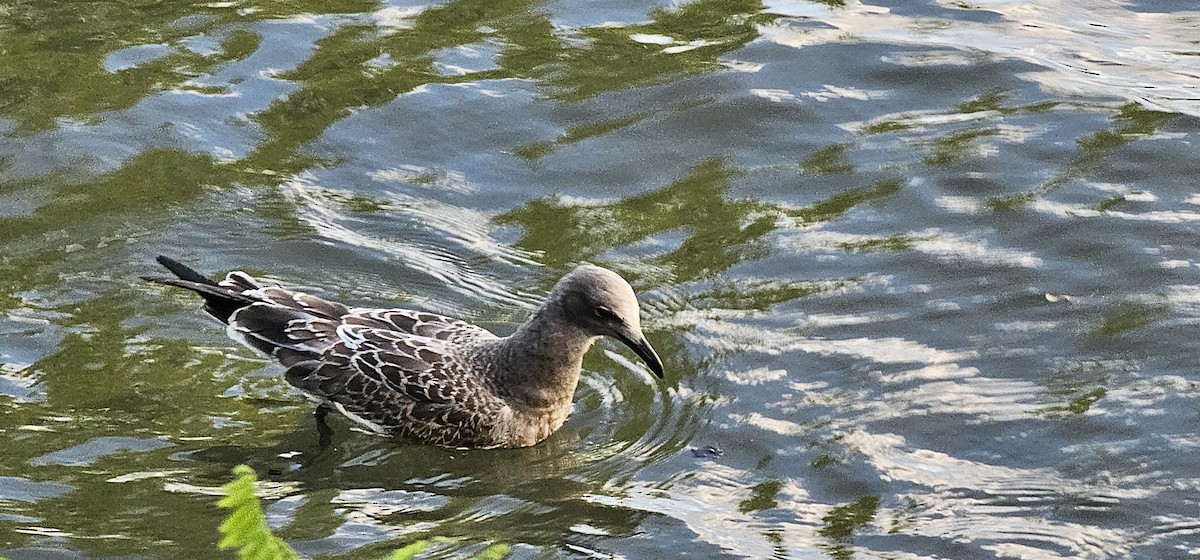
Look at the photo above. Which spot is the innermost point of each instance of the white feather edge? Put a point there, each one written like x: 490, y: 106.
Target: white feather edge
x: 237, y: 333
x: 373, y: 427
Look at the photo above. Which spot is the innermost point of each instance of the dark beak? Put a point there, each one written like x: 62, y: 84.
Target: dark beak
x: 642, y: 348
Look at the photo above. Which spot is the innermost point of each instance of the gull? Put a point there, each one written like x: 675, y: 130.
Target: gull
x: 425, y: 377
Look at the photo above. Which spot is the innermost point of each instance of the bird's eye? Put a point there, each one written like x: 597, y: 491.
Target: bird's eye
x: 604, y: 313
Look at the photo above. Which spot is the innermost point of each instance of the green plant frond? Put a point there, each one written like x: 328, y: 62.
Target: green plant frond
x: 245, y: 529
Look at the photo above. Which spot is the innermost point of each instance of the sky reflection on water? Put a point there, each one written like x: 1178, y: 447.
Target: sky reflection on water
x: 925, y: 272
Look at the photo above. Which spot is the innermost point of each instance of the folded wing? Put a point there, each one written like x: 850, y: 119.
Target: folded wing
x: 400, y: 383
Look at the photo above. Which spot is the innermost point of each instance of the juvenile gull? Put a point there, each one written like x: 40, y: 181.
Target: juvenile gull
x: 422, y: 376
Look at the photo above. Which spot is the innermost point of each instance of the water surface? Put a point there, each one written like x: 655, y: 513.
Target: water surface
x: 925, y: 272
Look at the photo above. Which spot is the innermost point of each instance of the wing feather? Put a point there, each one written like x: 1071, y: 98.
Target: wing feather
x: 401, y: 382
x: 415, y: 322
x: 395, y: 370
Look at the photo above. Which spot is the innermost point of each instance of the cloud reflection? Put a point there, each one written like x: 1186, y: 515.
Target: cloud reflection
x: 1106, y: 50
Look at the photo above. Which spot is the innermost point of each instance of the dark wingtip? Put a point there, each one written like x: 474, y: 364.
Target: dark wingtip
x: 183, y: 271
x: 170, y: 263
x: 219, y: 301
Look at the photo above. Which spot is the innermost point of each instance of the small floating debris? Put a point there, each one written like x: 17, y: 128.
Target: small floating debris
x: 1059, y: 298
x: 707, y: 452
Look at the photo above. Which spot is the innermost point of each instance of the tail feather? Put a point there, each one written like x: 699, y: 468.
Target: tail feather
x: 219, y: 301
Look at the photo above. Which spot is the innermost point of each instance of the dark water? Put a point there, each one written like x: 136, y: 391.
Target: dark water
x: 926, y: 272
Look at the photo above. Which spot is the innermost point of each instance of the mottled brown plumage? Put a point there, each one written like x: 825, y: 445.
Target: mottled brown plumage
x: 423, y: 376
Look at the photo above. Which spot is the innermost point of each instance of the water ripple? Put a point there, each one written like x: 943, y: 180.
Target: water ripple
x: 469, y: 231
x: 1104, y: 51
x: 978, y: 502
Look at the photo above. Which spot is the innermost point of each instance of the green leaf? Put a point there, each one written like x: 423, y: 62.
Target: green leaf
x: 245, y: 529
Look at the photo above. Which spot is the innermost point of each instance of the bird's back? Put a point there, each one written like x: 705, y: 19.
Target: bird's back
x: 397, y: 371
